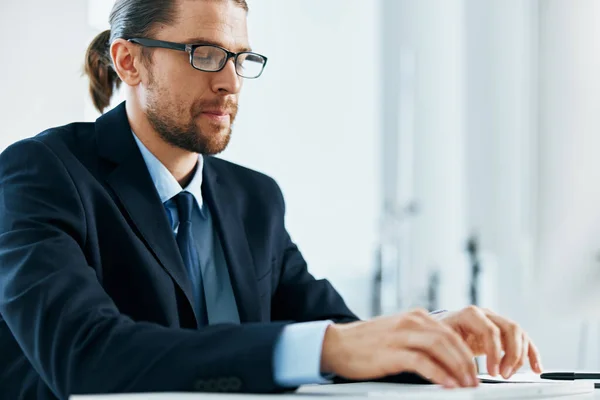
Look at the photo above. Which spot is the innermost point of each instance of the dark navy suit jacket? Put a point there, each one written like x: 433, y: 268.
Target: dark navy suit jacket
x: 93, y: 292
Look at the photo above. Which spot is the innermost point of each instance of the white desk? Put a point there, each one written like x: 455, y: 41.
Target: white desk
x: 375, y: 391
x: 484, y: 392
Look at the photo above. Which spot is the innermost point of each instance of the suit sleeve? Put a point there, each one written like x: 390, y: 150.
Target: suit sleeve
x: 299, y: 296
x: 69, y: 328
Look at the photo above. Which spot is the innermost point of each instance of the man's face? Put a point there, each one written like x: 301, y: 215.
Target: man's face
x: 191, y: 109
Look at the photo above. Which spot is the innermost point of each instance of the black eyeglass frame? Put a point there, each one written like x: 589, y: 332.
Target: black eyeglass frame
x: 191, y: 48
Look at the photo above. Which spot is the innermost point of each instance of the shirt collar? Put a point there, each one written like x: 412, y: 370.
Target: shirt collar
x: 165, y: 183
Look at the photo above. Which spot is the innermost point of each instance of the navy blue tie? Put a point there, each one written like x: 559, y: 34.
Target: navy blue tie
x: 189, y: 253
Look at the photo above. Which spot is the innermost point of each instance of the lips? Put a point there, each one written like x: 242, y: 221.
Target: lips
x: 220, y: 116
x: 218, y: 112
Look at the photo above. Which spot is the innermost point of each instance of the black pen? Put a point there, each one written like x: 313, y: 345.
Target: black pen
x: 569, y: 376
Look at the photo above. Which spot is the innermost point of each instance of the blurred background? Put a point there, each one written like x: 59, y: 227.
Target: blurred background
x: 432, y: 153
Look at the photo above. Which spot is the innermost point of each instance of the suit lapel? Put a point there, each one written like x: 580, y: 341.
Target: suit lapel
x: 131, y: 182
x: 221, y: 198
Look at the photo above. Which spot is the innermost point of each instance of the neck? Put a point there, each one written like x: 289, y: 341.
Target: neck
x: 180, y: 163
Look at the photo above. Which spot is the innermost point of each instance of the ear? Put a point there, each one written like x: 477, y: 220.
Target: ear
x: 126, y: 60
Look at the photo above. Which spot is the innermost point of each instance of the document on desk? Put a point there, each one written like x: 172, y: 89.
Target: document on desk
x: 525, y: 377
x: 528, y: 378
x: 353, y: 391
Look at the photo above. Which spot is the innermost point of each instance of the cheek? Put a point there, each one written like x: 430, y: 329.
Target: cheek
x: 188, y: 91
x: 181, y: 81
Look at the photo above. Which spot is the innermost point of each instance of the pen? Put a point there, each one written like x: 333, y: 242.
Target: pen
x: 569, y: 376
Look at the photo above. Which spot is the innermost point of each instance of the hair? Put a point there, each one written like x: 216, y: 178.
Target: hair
x: 128, y: 19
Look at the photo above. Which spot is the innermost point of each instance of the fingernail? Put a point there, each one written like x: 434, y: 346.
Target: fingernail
x: 451, y: 383
x: 496, y: 370
x: 507, y: 372
x: 468, y: 381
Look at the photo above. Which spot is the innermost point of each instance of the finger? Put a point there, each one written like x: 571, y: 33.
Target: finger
x: 534, y: 358
x: 422, y: 364
x: 465, y: 354
x: 470, y: 374
x: 444, y: 347
x: 420, y: 311
x: 524, y: 353
x: 484, y: 329
x: 487, y: 311
x: 512, y: 338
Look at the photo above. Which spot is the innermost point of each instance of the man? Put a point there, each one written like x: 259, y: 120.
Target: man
x: 131, y: 260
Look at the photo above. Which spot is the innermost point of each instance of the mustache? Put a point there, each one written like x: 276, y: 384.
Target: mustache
x: 229, y: 106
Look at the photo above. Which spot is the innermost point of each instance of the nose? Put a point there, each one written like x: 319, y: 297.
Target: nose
x: 227, y: 81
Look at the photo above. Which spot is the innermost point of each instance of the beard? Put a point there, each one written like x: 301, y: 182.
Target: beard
x: 177, y: 125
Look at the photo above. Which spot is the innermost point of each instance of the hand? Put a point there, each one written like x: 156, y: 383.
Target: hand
x: 489, y: 334
x: 410, y: 342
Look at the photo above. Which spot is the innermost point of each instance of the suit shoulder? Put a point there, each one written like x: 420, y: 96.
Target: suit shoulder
x: 55, y: 150
x: 69, y: 135
x: 73, y: 138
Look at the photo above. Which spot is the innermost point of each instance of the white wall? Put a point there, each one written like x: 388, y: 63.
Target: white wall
x: 43, y: 45
x: 533, y: 125
x: 478, y: 132
x: 475, y: 114
x: 474, y: 138
x: 569, y: 169
x: 433, y: 32
x: 98, y: 13
x: 502, y: 133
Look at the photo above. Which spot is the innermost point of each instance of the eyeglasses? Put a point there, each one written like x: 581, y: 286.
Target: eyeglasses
x: 212, y: 58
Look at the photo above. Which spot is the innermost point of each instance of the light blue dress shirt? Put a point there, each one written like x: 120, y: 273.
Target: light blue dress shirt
x: 297, y: 355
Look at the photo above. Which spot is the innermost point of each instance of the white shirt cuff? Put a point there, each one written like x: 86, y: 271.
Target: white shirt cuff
x: 297, y: 356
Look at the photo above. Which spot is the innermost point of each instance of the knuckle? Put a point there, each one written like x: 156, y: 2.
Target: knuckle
x: 449, y: 337
x: 439, y: 341
x: 449, y: 332
x: 420, y: 312
x: 512, y: 358
x: 472, y: 309
x: 493, y: 331
x: 418, y: 359
x: 405, y: 321
x: 514, y: 329
x: 410, y: 321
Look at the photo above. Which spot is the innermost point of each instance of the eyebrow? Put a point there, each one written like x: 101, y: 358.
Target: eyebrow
x: 200, y: 40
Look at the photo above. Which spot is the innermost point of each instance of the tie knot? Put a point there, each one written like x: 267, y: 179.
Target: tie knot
x: 185, y: 205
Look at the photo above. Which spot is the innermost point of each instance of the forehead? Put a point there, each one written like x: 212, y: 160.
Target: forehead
x: 220, y: 22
